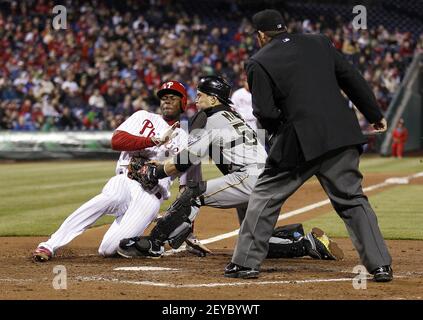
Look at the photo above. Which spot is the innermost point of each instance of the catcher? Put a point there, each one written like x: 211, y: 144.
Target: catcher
x: 218, y: 131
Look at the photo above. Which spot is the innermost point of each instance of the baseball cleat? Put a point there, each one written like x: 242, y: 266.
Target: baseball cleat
x: 383, y: 274
x: 41, y: 254
x: 195, y: 252
x: 194, y: 246
x: 322, y: 247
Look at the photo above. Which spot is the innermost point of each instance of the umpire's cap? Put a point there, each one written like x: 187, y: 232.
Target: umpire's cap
x: 216, y: 86
x: 268, y: 20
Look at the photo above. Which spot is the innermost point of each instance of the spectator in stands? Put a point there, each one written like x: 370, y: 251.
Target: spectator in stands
x: 70, y: 85
x: 97, y: 100
x: 67, y: 120
x: 48, y: 125
x: 116, y: 49
x: 3, y: 117
x: 23, y: 123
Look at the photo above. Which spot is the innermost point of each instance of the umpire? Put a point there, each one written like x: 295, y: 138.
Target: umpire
x: 296, y: 83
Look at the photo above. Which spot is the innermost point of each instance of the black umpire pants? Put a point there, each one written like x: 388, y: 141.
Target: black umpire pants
x: 338, y: 173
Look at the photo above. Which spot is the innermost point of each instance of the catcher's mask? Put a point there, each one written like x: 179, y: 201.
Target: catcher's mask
x: 176, y: 88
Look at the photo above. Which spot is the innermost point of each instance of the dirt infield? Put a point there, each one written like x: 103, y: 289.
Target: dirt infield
x: 92, y: 277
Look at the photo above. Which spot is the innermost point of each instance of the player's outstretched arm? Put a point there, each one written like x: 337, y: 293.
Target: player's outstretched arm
x: 124, y: 141
x: 149, y: 173
x: 167, y: 169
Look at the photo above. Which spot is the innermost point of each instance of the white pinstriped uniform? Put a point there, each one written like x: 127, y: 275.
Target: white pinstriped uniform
x: 122, y: 197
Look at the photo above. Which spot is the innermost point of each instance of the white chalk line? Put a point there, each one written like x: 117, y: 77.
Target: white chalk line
x: 218, y: 284
x: 144, y: 268
x: 201, y: 285
x: 16, y: 280
x: 209, y: 285
x: 284, y: 216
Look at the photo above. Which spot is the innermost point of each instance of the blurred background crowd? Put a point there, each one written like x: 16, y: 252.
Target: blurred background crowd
x: 113, y: 55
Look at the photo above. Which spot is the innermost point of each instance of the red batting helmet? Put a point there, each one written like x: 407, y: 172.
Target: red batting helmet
x: 174, y: 87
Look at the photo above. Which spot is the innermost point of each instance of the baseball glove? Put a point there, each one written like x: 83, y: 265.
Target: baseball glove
x: 143, y: 172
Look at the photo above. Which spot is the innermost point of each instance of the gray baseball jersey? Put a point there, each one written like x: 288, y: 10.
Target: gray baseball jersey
x: 235, y: 149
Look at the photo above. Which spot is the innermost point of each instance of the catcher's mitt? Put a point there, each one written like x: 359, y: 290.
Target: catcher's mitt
x: 143, y: 172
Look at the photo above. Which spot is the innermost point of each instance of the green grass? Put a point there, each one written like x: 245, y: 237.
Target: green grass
x: 36, y: 197
x: 399, y: 211
x: 391, y: 165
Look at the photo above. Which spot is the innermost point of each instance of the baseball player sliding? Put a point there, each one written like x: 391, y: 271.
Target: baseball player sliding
x: 144, y: 136
x: 218, y: 131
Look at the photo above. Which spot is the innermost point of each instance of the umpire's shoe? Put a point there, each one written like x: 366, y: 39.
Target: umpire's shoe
x: 383, y: 274
x: 233, y: 270
x: 322, y: 247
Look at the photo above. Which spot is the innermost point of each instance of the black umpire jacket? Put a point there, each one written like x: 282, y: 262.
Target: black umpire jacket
x: 295, y: 81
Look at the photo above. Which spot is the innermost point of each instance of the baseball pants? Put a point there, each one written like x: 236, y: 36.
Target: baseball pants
x: 341, y: 179
x: 133, y: 207
x: 229, y: 191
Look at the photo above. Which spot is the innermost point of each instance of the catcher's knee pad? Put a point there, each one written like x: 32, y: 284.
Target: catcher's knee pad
x: 288, y: 242
x: 178, y: 213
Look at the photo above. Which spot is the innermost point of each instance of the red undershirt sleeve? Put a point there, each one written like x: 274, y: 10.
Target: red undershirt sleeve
x: 124, y: 141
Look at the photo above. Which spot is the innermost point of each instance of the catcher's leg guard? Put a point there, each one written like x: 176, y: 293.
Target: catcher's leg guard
x: 139, y: 247
x: 178, y: 236
x: 182, y: 232
x: 177, y: 214
x: 289, y: 231
x: 288, y: 242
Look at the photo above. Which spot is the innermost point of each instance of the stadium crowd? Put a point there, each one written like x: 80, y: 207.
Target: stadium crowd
x: 109, y: 62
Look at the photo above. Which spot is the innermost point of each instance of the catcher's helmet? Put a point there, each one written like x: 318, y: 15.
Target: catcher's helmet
x: 216, y: 86
x: 174, y: 87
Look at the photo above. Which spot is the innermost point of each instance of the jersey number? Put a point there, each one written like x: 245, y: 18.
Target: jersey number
x: 249, y: 135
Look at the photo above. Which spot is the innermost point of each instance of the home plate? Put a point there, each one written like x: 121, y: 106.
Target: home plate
x: 144, y: 268
x: 397, y: 180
